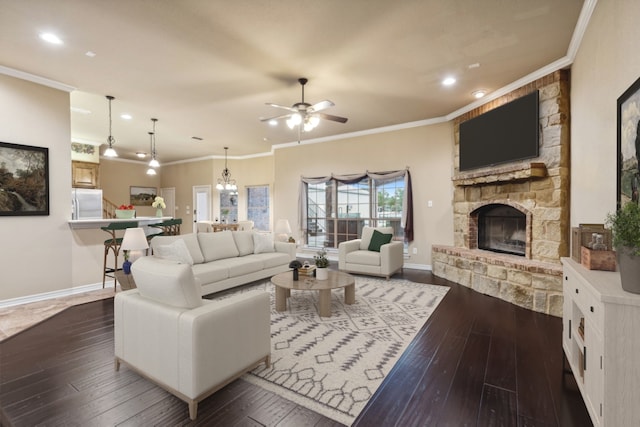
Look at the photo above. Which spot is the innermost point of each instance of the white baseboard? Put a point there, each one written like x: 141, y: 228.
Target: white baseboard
x: 50, y: 295
x: 425, y: 267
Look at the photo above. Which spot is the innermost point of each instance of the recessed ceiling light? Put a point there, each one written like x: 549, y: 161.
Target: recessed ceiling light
x: 51, y: 38
x: 141, y: 155
x: 126, y: 116
x: 449, y: 81
x: 474, y: 65
x: 90, y: 54
x: 479, y: 93
x: 273, y: 122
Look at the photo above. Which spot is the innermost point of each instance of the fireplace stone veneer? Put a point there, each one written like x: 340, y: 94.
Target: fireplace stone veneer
x: 539, y: 188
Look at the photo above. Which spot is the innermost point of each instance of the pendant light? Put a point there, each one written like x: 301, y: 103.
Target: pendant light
x: 110, y: 152
x: 154, y: 162
x: 226, y: 183
x: 151, y: 170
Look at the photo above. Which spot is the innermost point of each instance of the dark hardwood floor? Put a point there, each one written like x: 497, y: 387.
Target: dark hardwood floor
x: 478, y: 361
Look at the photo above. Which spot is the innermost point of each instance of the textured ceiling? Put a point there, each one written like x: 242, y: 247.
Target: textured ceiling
x: 206, y: 68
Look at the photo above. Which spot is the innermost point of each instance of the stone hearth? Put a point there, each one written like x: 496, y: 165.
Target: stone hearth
x: 537, y: 187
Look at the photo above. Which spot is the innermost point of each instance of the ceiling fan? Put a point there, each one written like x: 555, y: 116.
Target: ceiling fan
x: 305, y: 115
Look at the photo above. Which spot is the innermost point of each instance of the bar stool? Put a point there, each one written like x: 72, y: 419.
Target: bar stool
x: 113, y: 244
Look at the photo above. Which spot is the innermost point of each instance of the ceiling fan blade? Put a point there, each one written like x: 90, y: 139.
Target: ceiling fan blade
x: 322, y: 105
x: 281, y: 106
x: 332, y: 118
x: 284, y: 116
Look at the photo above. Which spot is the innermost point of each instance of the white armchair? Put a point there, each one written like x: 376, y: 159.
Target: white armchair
x: 189, y: 346
x: 355, y: 256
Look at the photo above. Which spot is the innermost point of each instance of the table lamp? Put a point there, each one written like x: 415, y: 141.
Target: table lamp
x: 133, y: 242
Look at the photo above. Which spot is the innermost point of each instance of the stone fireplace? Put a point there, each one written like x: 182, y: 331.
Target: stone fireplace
x: 511, y: 222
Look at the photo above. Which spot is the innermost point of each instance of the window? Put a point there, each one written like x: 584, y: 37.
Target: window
x: 228, y: 206
x: 337, y: 211
x: 258, y: 206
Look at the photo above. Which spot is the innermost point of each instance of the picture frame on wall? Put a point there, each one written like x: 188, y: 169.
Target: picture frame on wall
x: 142, y: 196
x: 628, y: 153
x: 24, y: 180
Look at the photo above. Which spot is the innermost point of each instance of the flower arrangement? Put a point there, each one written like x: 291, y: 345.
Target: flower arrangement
x: 321, y: 259
x: 158, y: 202
x: 125, y: 207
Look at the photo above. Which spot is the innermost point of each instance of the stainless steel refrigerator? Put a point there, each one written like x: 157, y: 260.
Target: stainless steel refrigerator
x: 86, y: 203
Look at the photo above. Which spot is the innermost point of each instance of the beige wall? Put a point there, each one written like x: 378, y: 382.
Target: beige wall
x: 116, y: 176
x: 35, y: 254
x: 606, y: 64
x: 426, y: 150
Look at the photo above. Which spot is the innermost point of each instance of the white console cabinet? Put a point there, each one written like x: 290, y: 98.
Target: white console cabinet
x: 601, y: 340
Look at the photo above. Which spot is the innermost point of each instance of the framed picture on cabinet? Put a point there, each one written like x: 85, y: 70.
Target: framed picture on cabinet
x: 24, y: 180
x: 628, y: 170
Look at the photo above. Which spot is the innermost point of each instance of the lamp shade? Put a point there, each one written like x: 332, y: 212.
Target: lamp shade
x: 134, y: 239
x: 283, y: 227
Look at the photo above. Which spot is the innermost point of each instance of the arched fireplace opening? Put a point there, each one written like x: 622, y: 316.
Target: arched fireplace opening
x: 502, y: 228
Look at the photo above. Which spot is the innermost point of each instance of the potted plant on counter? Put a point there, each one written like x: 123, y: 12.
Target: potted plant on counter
x: 322, y: 264
x: 625, y: 228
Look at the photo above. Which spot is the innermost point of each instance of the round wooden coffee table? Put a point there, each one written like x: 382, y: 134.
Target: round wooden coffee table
x: 284, y: 283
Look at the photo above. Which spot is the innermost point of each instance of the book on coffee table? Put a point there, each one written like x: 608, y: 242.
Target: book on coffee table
x: 307, y: 271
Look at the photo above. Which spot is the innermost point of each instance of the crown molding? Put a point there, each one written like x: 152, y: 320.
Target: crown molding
x: 35, y: 79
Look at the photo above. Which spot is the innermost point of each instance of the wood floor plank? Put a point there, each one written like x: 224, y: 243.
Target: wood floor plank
x: 498, y: 407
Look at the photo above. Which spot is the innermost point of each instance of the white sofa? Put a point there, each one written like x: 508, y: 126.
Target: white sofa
x: 355, y: 256
x: 187, y: 345
x: 226, y: 259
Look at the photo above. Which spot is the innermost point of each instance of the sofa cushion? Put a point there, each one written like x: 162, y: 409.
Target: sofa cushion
x: 244, y: 242
x: 176, y: 251
x: 262, y: 242
x: 378, y: 239
x: 240, y: 266
x: 272, y: 259
x: 365, y: 257
x: 367, y: 233
x: 210, y: 272
x: 218, y: 245
x: 189, y: 239
x: 166, y: 281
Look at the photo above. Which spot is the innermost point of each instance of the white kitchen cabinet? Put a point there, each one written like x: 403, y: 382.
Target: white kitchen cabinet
x: 601, y: 340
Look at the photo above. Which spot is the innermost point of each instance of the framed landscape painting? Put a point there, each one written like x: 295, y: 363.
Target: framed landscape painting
x: 142, y: 196
x: 24, y: 180
x: 629, y: 145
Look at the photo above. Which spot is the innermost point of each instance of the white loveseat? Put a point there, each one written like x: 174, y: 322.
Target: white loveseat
x: 360, y: 256
x: 226, y: 259
x: 187, y: 345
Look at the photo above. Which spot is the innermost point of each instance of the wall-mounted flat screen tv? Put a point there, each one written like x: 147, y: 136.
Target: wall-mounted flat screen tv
x: 504, y: 134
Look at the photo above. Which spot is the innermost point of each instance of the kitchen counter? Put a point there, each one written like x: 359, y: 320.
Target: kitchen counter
x: 97, y: 223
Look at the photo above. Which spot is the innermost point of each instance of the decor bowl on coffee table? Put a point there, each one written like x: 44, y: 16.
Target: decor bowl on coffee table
x: 625, y: 227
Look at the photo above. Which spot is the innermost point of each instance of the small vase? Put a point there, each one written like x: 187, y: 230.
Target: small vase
x: 126, y: 267
x: 159, y: 212
x: 322, y: 273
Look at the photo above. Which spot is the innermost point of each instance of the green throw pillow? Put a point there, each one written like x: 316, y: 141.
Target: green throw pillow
x: 378, y: 239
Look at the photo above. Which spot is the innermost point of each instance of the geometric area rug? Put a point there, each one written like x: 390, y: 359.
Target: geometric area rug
x: 333, y: 365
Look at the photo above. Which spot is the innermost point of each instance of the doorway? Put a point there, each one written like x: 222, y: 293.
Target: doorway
x: 169, y: 196
x: 201, y: 204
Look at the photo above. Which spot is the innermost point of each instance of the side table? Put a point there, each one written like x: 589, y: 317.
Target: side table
x: 126, y: 280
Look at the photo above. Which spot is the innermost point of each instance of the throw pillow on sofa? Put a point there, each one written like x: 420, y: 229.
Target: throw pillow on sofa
x: 262, y: 243
x: 176, y: 251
